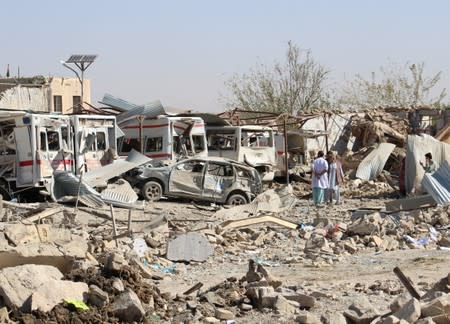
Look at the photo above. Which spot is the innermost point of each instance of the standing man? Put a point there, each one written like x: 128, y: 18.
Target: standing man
x: 335, y: 178
x: 429, y: 166
x: 319, y: 178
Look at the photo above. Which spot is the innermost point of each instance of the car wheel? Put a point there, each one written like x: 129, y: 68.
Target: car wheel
x: 236, y: 199
x: 152, y: 191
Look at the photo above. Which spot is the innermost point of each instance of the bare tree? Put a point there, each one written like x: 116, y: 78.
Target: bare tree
x: 398, y: 87
x: 290, y: 87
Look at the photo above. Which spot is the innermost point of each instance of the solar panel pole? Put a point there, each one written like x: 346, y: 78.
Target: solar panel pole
x: 82, y: 62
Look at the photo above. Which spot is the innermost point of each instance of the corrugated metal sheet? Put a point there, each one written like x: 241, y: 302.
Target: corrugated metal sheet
x: 100, y: 176
x: 121, y: 191
x: 117, y: 103
x: 151, y: 109
x: 373, y: 164
x: 416, y: 149
x: 438, y: 184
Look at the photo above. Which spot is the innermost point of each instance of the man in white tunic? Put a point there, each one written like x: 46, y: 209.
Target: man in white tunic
x: 319, y: 178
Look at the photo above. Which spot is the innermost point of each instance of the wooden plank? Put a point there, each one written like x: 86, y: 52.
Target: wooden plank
x: 32, y: 206
x: 43, y: 214
x: 407, y: 283
x: 193, y: 288
x: 257, y: 220
x: 114, y: 224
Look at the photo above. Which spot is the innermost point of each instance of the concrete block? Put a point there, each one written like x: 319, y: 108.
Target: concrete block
x: 191, y: 246
x: 18, y: 283
x: 224, y: 314
x: 410, y: 312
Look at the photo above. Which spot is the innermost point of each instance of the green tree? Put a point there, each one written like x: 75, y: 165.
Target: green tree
x: 288, y: 87
x: 398, y: 86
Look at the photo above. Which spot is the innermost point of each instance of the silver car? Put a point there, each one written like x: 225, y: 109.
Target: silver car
x: 207, y: 179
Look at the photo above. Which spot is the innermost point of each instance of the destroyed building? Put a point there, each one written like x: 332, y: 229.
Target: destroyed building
x: 43, y: 94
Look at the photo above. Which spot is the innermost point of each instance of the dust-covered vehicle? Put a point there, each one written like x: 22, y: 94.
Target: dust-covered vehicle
x: 206, y: 179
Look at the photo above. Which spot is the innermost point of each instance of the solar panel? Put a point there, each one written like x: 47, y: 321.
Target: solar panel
x: 77, y: 58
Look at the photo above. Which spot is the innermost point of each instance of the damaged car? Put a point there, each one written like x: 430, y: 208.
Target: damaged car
x: 206, y: 179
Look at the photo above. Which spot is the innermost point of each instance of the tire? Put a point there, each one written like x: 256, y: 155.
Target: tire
x: 236, y: 199
x: 152, y: 191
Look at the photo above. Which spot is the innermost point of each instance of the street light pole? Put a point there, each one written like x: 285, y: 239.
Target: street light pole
x: 82, y: 62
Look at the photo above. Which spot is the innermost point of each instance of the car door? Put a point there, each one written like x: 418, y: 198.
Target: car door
x: 186, y: 178
x: 218, y: 177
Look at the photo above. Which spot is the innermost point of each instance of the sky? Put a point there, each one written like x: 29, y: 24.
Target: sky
x: 182, y: 52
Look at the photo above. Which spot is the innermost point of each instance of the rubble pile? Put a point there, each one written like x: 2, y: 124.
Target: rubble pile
x: 209, y: 264
x: 368, y: 188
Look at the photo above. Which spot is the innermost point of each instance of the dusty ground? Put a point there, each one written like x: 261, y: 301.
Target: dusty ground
x: 335, y: 281
x: 368, y: 272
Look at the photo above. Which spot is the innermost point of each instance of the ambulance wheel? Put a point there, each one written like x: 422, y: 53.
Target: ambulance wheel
x: 152, y: 191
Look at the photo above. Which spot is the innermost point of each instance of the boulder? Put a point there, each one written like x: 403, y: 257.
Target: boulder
x: 437, y: 309
x: 308, y: 318
x: 366, y: 224
x: 97, y: 297
x: 47, y: 296
x: 361, y: 311
x: 18, y: 283
x: 410, y: 312
x: 127, y: 307
x: 282, y: 305
x: 115, y: 263
x: 224, y: 314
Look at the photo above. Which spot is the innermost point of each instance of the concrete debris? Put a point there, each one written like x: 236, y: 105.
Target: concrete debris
x: 189, y: 247
x: 410, y: 312
x: 361, y: 311
x: 269, y: 202
x: 32, y: 287
x: 127, y: 307
x: 41, y: 244
x: 366, y: 224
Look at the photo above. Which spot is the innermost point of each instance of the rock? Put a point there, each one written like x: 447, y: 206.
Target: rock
x: 190, y: 304
x: 307, y: 318
x: 426, y: 320
x: 282, y: 305
x: 350, y: 248
x: 437, y: 309
x: 361, y: 311
x: 410, y: 312
x: 4, y: 315
x: 115, y: 262
x: 245, y: 307
x: 127, y: 307
x: 41, y: 244
x: 118, y: 285
x: 400, y: 301
x: 214, y: 299
x: 224, y: 314
x: 315, y: 243
x: 191, y: 246
x: 305, y: 301
x: 18, y: 283
x: 272, y: 280
x: 97, y: 297
x: 267, y: 297
x: 47, y: 296
x: 391, y: 319
x: 333, y: 318
x: 366, y: 224
x: 210, y: 319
